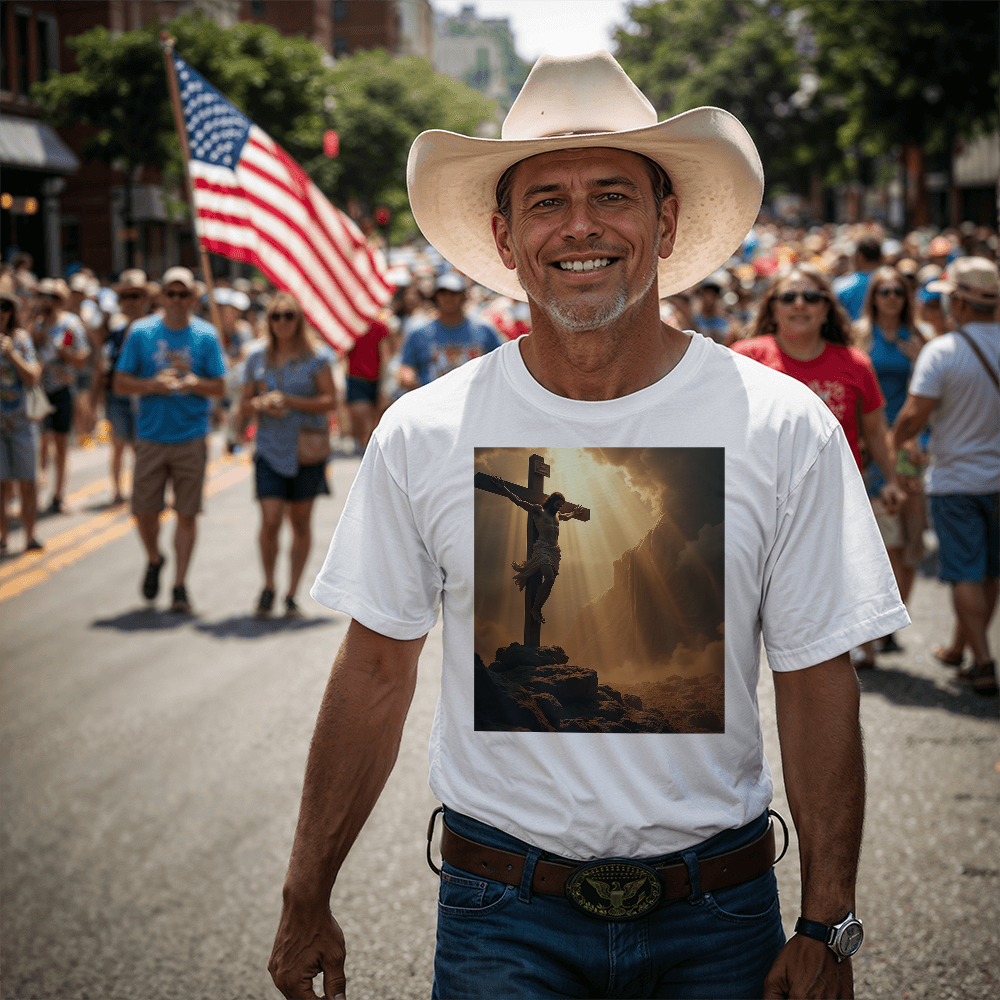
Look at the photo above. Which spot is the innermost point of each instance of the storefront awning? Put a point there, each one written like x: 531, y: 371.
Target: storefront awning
x: 34, y: 145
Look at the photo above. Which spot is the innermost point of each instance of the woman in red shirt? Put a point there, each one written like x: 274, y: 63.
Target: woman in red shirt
x: 802, y: 330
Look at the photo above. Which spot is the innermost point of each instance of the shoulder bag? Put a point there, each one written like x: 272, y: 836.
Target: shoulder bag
x: 36, y: 403
x: 979, y: 354
x: 314, y: 442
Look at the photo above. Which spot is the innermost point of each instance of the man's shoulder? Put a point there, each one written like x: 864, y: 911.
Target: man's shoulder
x: 147, y: 326
x: 201, y: 330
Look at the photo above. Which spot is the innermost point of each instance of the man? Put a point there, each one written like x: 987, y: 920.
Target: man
x: 596, y: 211
x: 446, y: 342
x: 62, y: 346
x: 175, y: 365
x: 545, y: 553
x: 134, y: 295
x: 851, y: 289
x: 954, y: 385
x: 710, y: 320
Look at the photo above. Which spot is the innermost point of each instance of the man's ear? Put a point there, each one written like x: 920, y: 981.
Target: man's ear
x: 501, y: 236
x: 669, y: 210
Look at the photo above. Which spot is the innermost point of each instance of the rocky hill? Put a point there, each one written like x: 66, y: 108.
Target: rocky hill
x: 535, y: 689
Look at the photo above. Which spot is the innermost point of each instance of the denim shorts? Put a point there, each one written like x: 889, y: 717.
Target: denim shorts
x: 307, y: 484
x: 497, y: 940
x: 968, y: 530
x: 18, y: 442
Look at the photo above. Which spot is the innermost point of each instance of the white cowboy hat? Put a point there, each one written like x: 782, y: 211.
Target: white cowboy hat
x: 576, y: 103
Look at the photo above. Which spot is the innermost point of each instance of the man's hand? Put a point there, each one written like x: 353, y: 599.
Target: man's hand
x: 893, y: 497
x: 306, y: 945
x: 807, y: 970
x: 165, y: 381
x: 6, y: 345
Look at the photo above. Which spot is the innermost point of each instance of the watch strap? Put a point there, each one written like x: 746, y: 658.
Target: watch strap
x: 812, y: 929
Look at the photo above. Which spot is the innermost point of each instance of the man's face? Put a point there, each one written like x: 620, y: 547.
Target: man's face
x: 49, y: 305
x: 133, y: 302
x: 177, y: 300
x: 585, y: 234
x: 450, y: 305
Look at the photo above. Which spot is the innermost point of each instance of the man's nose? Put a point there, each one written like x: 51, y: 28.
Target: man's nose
x: 582, y: 221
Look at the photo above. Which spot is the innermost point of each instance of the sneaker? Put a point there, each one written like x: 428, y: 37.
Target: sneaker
x: 292, y: 610
x: 981, y: 677
x: 265, y: 603
x: 181, y: 605
x: 56, y: 507
x: 151, y: 582
x: 34, y: 545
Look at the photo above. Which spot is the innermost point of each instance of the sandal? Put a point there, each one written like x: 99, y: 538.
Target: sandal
x: 292, y: 610
x: 943, y: 656
x: 981, y: 677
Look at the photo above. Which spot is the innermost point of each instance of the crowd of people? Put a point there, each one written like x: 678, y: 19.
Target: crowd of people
x: 845, y: 309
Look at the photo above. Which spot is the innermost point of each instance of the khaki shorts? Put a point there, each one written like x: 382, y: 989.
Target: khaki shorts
x: 183, y: 464
x: 904, y: 530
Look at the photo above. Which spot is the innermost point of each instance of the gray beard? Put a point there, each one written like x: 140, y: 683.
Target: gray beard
x: 571, y: 318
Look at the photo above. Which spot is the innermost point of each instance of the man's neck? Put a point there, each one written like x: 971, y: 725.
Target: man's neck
x: 176, y: 324
x: 452, y: 321
x: 616, y: 360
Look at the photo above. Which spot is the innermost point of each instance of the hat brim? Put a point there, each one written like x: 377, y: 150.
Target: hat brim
x: 713, y: 165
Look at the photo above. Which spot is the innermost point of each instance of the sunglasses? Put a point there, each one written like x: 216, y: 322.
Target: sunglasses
x: 810, y: 297
x: 286, y: 316
x: 884, y: 293
x: 177, y: 295
x: 48, y: 296
x: 134, y: 297
x: 6, y: 306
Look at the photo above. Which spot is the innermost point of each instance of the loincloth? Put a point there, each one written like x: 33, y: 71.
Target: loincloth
x: 542, y: 554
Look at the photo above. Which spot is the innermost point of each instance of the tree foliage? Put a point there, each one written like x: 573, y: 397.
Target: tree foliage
x: 287, y: 85
x: 820, y: 83
x: 920, y: 71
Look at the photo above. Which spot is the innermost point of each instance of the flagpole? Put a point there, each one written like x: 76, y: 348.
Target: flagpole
x: 175, y: 100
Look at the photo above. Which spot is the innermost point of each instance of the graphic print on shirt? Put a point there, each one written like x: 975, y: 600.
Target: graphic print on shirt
x: 602, y: 612
x: 166, y: 357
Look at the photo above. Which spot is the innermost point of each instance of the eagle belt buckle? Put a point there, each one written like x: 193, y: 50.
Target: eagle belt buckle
x: 614, y: 889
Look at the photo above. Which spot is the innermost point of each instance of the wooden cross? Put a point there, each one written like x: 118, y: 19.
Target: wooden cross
x: 538, y: 471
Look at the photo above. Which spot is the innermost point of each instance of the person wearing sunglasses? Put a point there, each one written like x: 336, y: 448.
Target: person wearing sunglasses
x: 287, y: 386
x: 174, y: 364
x: 19, y: 371
x: 887, y: 330
x: 801, y: 329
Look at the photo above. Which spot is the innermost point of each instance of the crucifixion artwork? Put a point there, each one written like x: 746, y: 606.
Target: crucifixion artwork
x: 536, y: 574
x: 599, y: 589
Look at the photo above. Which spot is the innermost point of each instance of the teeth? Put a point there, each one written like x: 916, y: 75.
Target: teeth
x: 584, y: 265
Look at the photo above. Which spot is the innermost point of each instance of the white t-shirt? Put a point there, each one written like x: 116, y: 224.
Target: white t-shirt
x: 803, y: 564
x: 965, y: 424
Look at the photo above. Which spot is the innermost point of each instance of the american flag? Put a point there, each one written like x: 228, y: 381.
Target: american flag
x: 254, y: 203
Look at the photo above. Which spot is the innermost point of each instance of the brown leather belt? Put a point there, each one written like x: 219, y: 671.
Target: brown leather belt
x: 741, y: 865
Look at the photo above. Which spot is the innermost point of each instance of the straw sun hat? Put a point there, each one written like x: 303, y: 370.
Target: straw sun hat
x: 578, y: 103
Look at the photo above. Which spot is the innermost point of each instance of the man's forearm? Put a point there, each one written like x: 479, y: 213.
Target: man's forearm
x: 822, y: 756
x: 353, y: 751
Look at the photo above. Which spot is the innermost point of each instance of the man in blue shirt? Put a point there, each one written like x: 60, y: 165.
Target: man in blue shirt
x: 851, y: 289
x: 174, y: 364
x: 446, y: 342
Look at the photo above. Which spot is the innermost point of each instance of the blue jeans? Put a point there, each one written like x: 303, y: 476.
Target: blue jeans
x: 496, y: 940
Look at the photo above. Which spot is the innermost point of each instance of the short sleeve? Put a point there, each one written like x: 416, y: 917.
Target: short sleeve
x: 828, y: 585
x: 215, y: 367
x: 412, y: 349
x: 129, y: 360
x: 927, y: 379
x: 378, y: 569
x: 871, y: 393
x: 252, y: 369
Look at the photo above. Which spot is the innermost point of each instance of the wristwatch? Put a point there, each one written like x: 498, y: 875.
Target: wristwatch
x: 843, y: 939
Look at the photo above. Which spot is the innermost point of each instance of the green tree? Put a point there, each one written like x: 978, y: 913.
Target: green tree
x: 740, y: 55
x: 382, y: 104
x: 914, y: 76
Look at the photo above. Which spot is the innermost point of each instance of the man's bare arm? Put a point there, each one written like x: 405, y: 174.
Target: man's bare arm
x: 822, y: 755
x: 523, y: 504
x: 353, y: 750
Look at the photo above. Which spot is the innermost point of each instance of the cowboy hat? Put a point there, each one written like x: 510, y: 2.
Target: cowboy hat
x: 974, y: 279
x: 583, y: 102
x: 130, y: 279
x: 55, y: 287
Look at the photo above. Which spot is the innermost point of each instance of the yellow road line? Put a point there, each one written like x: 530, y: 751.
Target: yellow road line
x: 33, y: 568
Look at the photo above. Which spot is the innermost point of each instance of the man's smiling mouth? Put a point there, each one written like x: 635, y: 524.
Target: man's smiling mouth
x: 584, y: 265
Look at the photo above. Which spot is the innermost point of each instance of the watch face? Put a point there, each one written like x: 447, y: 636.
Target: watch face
x: 850, y: 939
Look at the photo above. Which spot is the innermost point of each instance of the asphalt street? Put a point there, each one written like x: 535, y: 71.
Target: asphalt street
x: 152, y: 764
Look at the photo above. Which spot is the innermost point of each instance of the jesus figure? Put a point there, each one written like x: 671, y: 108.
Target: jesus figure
x: 545, y: 552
